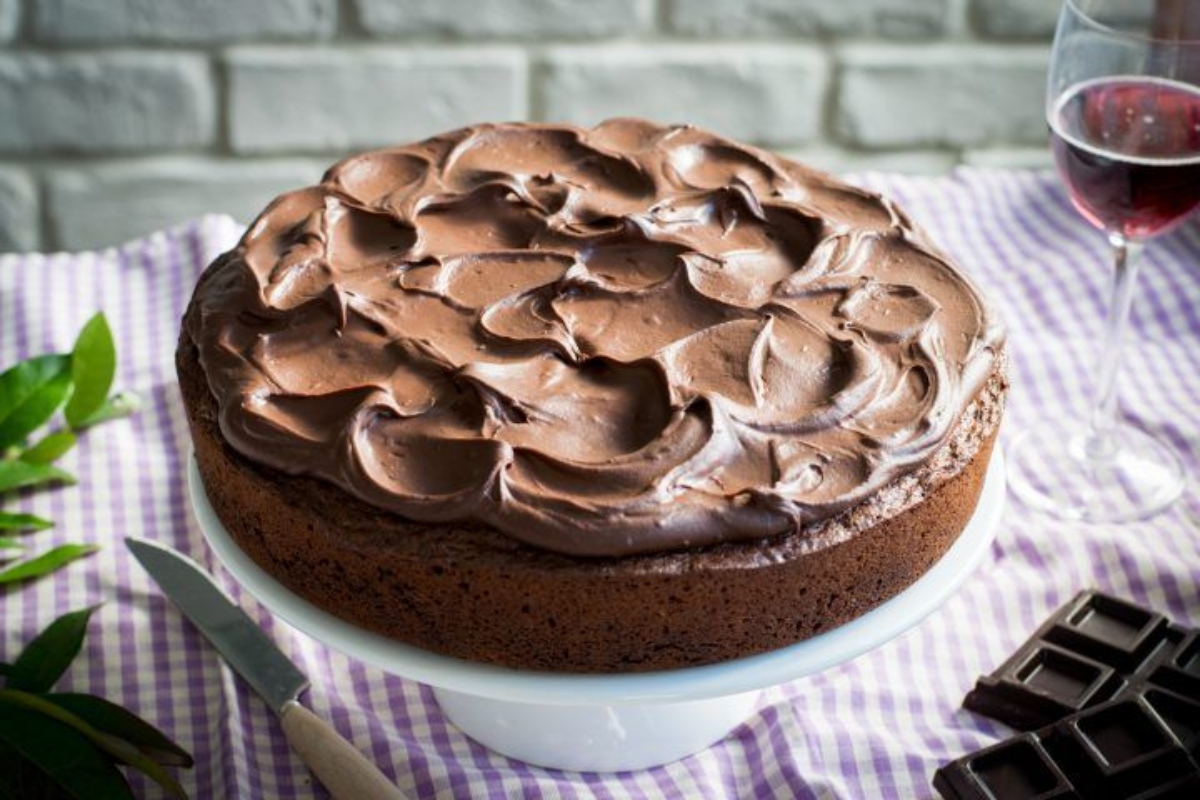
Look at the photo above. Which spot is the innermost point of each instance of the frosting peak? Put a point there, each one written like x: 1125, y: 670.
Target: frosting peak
x: 601, y: 342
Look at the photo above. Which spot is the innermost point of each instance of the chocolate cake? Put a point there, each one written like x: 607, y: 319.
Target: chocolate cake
x: 626, y: 398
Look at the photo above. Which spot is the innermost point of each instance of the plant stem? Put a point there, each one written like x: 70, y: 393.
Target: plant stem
x: 1101, y: 445
x: 117, y: 748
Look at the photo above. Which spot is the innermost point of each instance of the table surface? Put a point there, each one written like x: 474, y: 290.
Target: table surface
x: 876, y: 727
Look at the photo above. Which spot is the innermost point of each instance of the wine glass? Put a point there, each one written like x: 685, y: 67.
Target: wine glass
x: 1123, y: 103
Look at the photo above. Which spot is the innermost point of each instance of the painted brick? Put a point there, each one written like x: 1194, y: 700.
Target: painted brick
x: 110, y: 203
x: 10, y: 18
x: 761, y: 94
x: 291, y: 99
x: 891, y: 18
x: 182, y: 21
x: 19, y: 225
x: 105, y: 102
x: 1015, y: 19
x: 949, y: 96
x: 515, y: 19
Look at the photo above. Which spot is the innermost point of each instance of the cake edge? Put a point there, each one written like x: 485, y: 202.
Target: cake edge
x: 468, y: 591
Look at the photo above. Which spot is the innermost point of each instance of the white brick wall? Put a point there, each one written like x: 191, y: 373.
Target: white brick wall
x: 105, y: 102
x: 120, y: 200
x: 512, y: 19
x: 947, y: 95
x: 121, y: 116
x: 330, y: 100
x: 19, y: 229
x: 9, y: 19
x: 1018, y: 19
x: 767, y: 94
x: 182, y: 21
x: 906, y: 19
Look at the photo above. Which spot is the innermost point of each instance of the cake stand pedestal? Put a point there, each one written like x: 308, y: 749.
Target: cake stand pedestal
x: 613, y: 722
x: 596, y: 737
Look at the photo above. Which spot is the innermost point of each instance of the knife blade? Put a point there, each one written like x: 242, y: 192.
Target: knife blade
x: 345, y: 771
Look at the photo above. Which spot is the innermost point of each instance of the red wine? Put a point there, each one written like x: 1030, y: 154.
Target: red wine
x: 1129, y: 151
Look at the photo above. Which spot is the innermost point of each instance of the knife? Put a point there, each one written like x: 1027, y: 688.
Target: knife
x: 344, y: 771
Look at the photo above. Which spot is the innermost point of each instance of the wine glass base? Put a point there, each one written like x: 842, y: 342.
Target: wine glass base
x: 1051, y: 469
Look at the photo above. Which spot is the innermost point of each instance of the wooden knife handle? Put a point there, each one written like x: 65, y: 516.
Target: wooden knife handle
x: 339, y: 765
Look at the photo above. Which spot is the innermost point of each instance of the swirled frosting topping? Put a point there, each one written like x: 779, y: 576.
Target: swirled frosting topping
x: 602, y: 342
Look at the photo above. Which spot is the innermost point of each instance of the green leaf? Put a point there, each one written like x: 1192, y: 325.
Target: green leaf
x: 23, y: 522
x: 21, y: 780
x: 62, y: 754
x: 23, y: 379
x: 50, y: 448
x: 47, y: 656
x: 46, y: 563
x: 121, y: 404
x: 114, y: 746
x: 20, y: 474
x: 9, y: 543
x: 93, y: 364
x: 111, y: 718
x: 30, y: 393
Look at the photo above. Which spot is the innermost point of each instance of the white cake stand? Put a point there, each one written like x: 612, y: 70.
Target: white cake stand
x: 612, y: 722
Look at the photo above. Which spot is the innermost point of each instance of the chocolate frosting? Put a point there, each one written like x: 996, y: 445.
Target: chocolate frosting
x: 602, y: 342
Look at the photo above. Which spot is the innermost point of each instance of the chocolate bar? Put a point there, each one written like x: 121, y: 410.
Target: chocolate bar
x: 1092, y: 650
x: 1109, y: 696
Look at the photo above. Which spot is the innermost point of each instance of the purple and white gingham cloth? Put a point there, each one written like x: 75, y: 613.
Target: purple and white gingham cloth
x: 876, y: 727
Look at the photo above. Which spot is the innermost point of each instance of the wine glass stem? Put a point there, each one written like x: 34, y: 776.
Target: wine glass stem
x: 1127, y: 257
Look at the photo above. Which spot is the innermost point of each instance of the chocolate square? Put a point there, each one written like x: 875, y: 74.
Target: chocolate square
x: 1188, y: 659
x: 1183, y: 789
x: 1107, y: 630
x: 1180, y: 714
x: 1181, y: 672
x: 1014, y: 768
x: 1041, y: 684
x: 1118, y: 749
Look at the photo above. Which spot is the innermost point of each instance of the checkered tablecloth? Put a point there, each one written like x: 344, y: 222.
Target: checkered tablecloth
x: 876, y: 727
